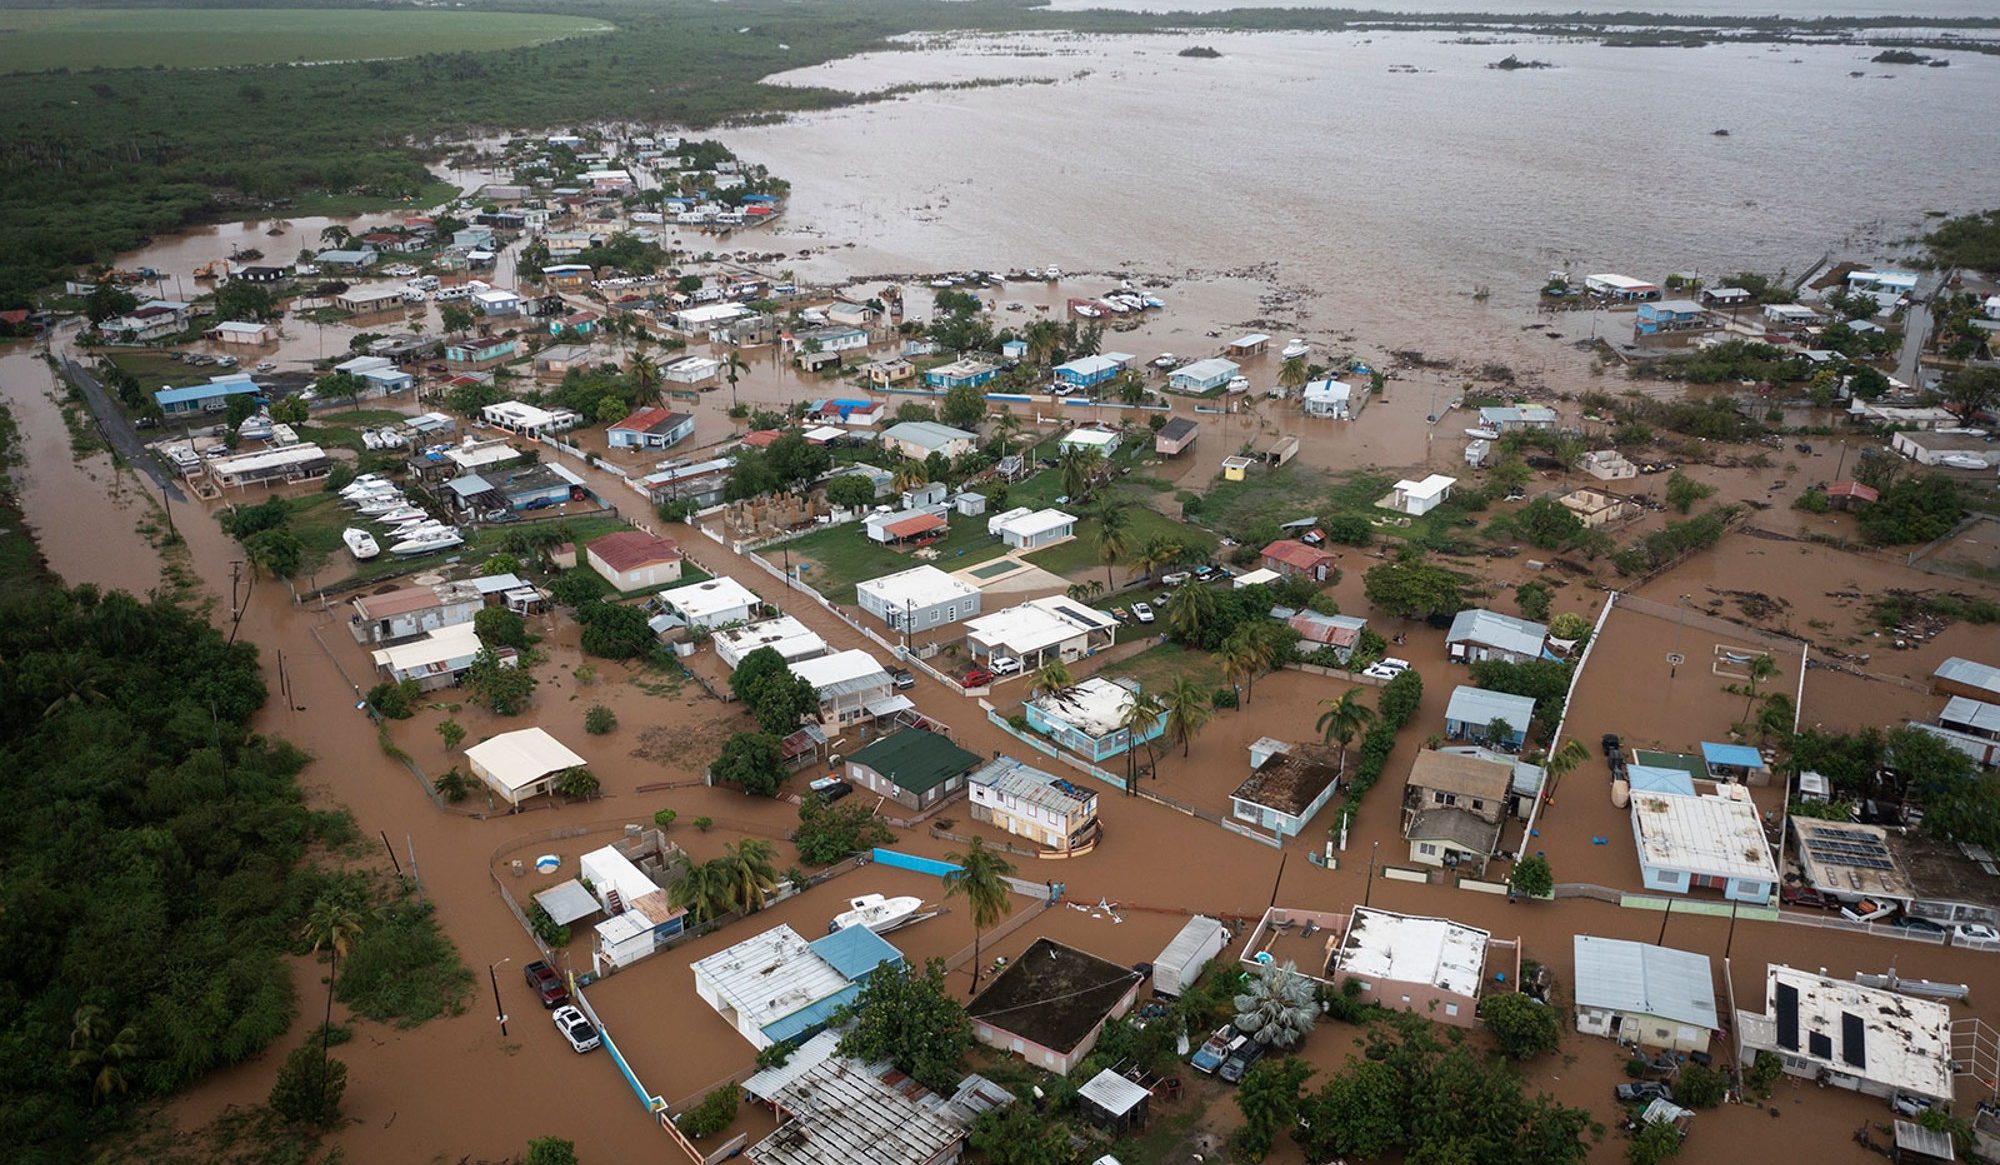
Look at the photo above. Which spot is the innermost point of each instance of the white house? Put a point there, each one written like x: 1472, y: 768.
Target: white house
x: 715, y: 603
x: 520, y: 764
x: 1712, y: 842
x: 496, y: 302
x: 1025, y: 529
x: 1638, y: 993
x: 1620, y: 288
x: 1089, y: 718
x: 1421, y: 497
x: 1328, y: 398
x: 435, y: 661
x: 918, y: 599
x: 1429, y: 966
x: 528, y: 420
x: 1866, y: 1039
x: 920, y: 439
x: 1027, y: 802
x: 776, y: 986
x: 850, y: 684
x: 791, y: 639
x: 1949, y: 448
x: 1105, y: 441
x: 1040, y: 630
x: 1288, y: 785
x: 691, y: 370
x: 650, y: 428
x: 1203, y: 375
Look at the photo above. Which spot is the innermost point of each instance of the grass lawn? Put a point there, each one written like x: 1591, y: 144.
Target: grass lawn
x: 1284, y: 494
x: 1158, y: 666
x: 483, y: 544
x: 840, y: 556
x: 344, y: 428
x: 337, y: 205
x: 84, y: 38
x: 1077, y: 558
x: 157, y: 370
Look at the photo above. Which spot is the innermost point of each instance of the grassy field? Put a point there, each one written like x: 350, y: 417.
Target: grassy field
x: 40, y: 40
x: 1077, y: 559
x: 157, y: 370
x: 338, y: 205
x: 840, y: 556
x: 1158, y: 666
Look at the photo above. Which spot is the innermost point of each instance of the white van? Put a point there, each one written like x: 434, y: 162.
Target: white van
x: 424, y: 283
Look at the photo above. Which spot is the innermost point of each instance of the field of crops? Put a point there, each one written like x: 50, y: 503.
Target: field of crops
x: 40, y: 40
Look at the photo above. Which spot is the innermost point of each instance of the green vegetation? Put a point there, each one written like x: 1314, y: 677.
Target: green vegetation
x: 309, y: 1088
x: 1413, y: 590
x: 830, y: 831
x: 1971, y: 240
x: 1913, y: 510
x: 1532, y: 877
x: 840, y: 556
x: 714, y: 1114
x: 1892, y: 609
x: 1523, y: 1027
x: 908, y: 1017
x: 1673, y: 541
x: 1080, y: 553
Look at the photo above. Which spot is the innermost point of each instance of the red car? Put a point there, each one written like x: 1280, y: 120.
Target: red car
x: 978, y: 677
x: 1806, y: 896
x: 546, y: 984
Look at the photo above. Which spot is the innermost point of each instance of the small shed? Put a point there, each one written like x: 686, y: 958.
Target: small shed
x: 1919, y: 1145
x: 1735, y: 762
x: 1175, y: 436
x: 1113, y: 1103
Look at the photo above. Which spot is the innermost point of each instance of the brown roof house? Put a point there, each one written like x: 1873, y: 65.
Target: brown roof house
x: 1289, y: 558
x: 633, y: 560
x: 1452, y: 808
x: 1050, y: 1005
x: 1288, y: 785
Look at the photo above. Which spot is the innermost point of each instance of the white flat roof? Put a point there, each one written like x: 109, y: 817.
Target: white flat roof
x: 1090, y: 437
x: 1207, y: 369
x: 1904, y: 1041
x: 702, y: 599
x: 475, y: 457
x: 267, y: 459
x: 1031, y: 524
x: 520, y: 758
x: 1429, y: 487
x: 1033, y: 626
x: 1625, y: 282
x: 919, y: 586
x: 717, y: 313
x: 784, y: 635
x: 1250, y: 339
x: 454, y: 641
x: 770, y: 976
x: 514, y: 412
x: 1719, y: 836
x: 841, y: 667
x: 1408, y: 948
x: 1095, y: 707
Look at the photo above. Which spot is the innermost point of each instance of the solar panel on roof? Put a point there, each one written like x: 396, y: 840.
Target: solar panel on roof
x: 1853, y: 1041
x: 1788, y: 1017
x: 1820, y: 1044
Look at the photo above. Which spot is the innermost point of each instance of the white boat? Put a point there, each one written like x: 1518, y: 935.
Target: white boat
x: 400, y: 515
x: 1153, y: 302
x: 1052, y: 272
x: 877, y: 913
x: 1296, y: 349
x: 383, y: 505
x: 441, y: 539
x: 1962, y: 461
x: 360, y: 543
x: 366, y: 483
x: 1239, y: 384
x: 1483, y: 434
x: 1114, y: 305
x: 1089, y: 311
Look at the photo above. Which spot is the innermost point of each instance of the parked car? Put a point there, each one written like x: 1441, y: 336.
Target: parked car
x: 576, y: 1029
x: 1177, y: 578
x: 1204, y: 572
x: 1212, y: 1053
x: 1806, y: 896
x: 1643, y: 1092
x: 978, y: 677
x: 831, y: 788
x: 1612, y: 745
x: 1914, y: 925
x: 1121, y: 614
x: 546, y: 984
x: 1004, y: 665
x: 1143, y: 612
x: 1375, y: 671
x: 1241, y: 1060
x: 1977, y: 935
x: 903, y: 679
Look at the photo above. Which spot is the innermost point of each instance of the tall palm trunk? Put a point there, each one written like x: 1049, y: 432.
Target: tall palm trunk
x: 326, y: 1026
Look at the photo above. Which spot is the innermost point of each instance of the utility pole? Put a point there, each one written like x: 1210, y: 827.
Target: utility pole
x: 499, y: 1012
x: 1368, y: 893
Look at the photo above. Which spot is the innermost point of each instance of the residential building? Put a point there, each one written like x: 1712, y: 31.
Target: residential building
x: 479, y: 352
x: 527, y: 419
x: 1261, y: 577
x: 1726, y: 297
x: 520, y: 764
x: 1427, y: 966
x: 1621, y: 288
x: 851, y: 686
x: 1050, y: 1005
x: 1735, y: 762
x: 567, y: 276
x: 1527, y: 778
x: 347, y: 259
x: 369, y: 300
x: 1288, y: 785
x: 716, y: 603
x: 1104, y: 441
x: 833, y: 338
x: 1644, y: 995
x: 1948, y: 448
x: 1340, y: 633
x: 888, y: 371
x: 1473, y: 713
x: 631, y: 560
x: 1668, y: 316
x: 291, y: 463
x: 1964, y: 677
x: 918, y: 599
x: 639, y: 916
x: 700, y: 483
x: 791, y: 639
x: 1478, y: 634
x: 1175, y: 437
x: 919, y: 439
x: 212, y: 397
x: 961, y: 373
x: 1417, y: 498
x: 1089, y: 718
x: 1866, y: 1039
x: 243, y: 334
x: 1203, y: 375
x: 1712, y: 842
x: 1290, y: 558
x: 904, y: 524
x: 1025, y: 529
x: 496, y: 302
x: 1608, y: 465
x: 1517, y: 418
x: 1244, y: 346
x: 835, y: 1111
x: 1790, y: 316
x: 1040, y: 630
x: 412, y: 611
x: 537, y: 486
x: 691, y: 370
x: 1027, y: 802
x: 1890, y: 282
x: 1971, y: 717
x: 1086, y: 372
x: 1328, y: 398
x: 1597, y: 509
x: 915, y: 767
x: 1453, y: 805
x: 777, y: 986
x: 437, y: 660
x: 651, y: 428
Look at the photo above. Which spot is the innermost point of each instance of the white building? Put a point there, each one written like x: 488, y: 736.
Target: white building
x: 1328, y: 398
x: 496, y: 302
x: 918, y: 599
x: 528, y: 420
x: 1622, y: 288
x: 435, y: 661
x: 791, y: 639
x: 1417, y: 498
x: 851, y: 686
x: 1429, y: 966
x: 520, y: 764
x: 1863, y: 1038
x: 919, y: 439
x: 1202, y: 375
x: 691, y: 370
x: 1027, y: 802
x: 1948, y: 448
x: 1040, y: 630
x: 1608, y: 465
x: 715, y: 603
x: 777, y: 986
x: 640, y: 915
x: 1025, y: 529
x: 1637, y: 993
x: 1105, y: 441
x: 1713, y: 842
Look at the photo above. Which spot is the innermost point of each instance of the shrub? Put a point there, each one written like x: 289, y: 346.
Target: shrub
x: 1349, y: 530
x: 714, y: 1114
x: 1534, y: 599
x: 1531, y: 877
x: 546, y: 928
x: 704, y: 824
x: 1654, y: 1143
x: 1523, y: 1027
x: 1699, y: 1087
x: 1764, y: 1073
x: 599, y: 720
x: 550, y: 1151
x: 395, y: 701
x: 665, y: 818
x: 452, y: 785
x: 309, y: 1088
x: 1813, y: 501
x: 1224, y: 698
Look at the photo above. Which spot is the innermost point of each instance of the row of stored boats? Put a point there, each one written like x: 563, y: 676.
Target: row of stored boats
x: 410, y: 530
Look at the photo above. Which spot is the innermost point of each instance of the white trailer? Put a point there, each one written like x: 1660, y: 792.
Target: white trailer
x: 1177, y: 967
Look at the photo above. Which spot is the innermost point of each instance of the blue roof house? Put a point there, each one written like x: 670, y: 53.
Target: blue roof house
x: 1472, y: 711
x: 1735, y: 762
x: 1086, y: 371
x: 212, y: 397
x: 777, y: 986
x: 1670, y: 315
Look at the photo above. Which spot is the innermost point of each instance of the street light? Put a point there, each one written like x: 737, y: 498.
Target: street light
x: 499, y: 1012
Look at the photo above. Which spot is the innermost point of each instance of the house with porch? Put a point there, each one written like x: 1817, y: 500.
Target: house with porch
x: 1478, y: 634
x: 1175, y: 437
x: 1040, y: 630
x: 961, y: 373
x: 1328, y: 398
x: 776, y: 987
x: 1670, y: 316
x: 1021, y: 799
x: 1089, y: 718
x: 919, y: 439
x: 1453, y: 805
x: 1025, y: 529
x: 1202, y: 375
x: 436, y: 660
x: 851, y: 686
x: 1288, y: 785
x: 1474, y: 714
x: 1417, y: 498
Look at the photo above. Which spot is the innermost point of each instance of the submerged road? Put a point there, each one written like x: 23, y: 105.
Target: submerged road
x: 118, y: 428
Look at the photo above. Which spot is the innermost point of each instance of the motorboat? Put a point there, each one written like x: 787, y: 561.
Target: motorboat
x: 443, y: 538
x: 1153, y: 302
x: 405, y: 517
x: 876, y: 912
x: 1296, y: 349
x: 1086, y: 309
x: 1962, y: 461
x: 1239, y: 384
x: 1052, y: 272
x: 383, y: 505
x: 1114, y: 305
x: 1483, y: 433
x: 1166, y: 360
x: 370, y: 484
x: 360, y: 543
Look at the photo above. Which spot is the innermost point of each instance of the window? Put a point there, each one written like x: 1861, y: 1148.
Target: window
x: 1427, y: 849
x: 1478, y: 804
x: 1451, y: 1009
x: 1440, y: 797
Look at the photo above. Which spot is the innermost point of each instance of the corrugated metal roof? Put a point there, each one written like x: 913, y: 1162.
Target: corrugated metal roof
x: 1470, y: 705
x: 1970, y: 672
x: 1113, y: 1093
x: 855, y: 951
x: 1644, y: 980
x: 1492, y: 629
x: 567, y: 901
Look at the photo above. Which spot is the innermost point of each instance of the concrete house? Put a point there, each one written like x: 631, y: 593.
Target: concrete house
x: 241, y: 333
x: 1328, y: 398
x: 1291, y: 558
x: 1025, y: 529
x: 412, y: 611
x: 1104, y: 441
x: 1671, y: 316
x: 1417, y: 498
x: 1517, y: 418
x: 918, y: 599
x: 1288, y: 785
x: 1453, y: 805
x: 1711, y: 842
x: 1865, y: 1039
x: 1025, y: 801
x: 1040, y: 630
x: 1472, y: 712
x: 653, y: 428
x: 888, y: 371
x: 916, y: 768
x: 436, y: 660
x: 1608, y: 465
x: 1644, y: 995
x: 715, y: 603
x: 851, y: 686
x: 520, y: 764
x: 476, y: 352
x: 1089, y: 718
x: 1175, y: 437
x: 632, y: 559
x: 1050, y: 1005
x: 919, y: 439
x: 791, y: 639
x: 1426, y: 966
x: 777, y: 986
x: 962, y: 373
x: 1086, y: 372
x: 1203, y: 375
x: 1948, y: 448
x: 212, y: 397
x: 1620, y: 288
x: 1478, y: 634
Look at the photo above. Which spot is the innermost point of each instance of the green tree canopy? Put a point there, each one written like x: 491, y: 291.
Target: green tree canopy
x: 1413, y: 590
x: 754, y: 760
x: 908, y: 1017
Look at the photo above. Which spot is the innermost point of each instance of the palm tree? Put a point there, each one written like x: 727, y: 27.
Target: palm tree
x: 1292, y: 374
x: 1188, y: 708
x: 1042, y: 336
x: 1247, y: 653
x: 334, y: 925
x: 980, y: 879
x: 645, y: 374
x: 1051, y: 679
x: 1343, y: 720
x: 98, y: 1051
x: 1141, y: 716
x: 1278, y: 1008
x: 910, y: 474
x: 1079, y: 466
x: 752, y: 873
x: 1111, y: 539
x: 1161, y: 550
x: 1005, y: 425
x: 701, y: 890
x: 1563, y: 761
x: 1760, y: 669
x: 1190, y: 612
x: 732, y: 365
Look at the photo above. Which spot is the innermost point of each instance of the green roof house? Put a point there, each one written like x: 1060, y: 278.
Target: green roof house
x: 915, y: 768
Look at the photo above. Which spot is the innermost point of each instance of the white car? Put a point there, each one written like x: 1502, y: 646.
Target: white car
x: 1143, y: 612
x: 1176, y: 579
x: 1004, y: 665
x: 576, y: 1029
x: 1976, y: 935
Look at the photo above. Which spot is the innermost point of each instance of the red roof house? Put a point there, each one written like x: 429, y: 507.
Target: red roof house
x: 1289, y: 558
x: 632, y: 559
